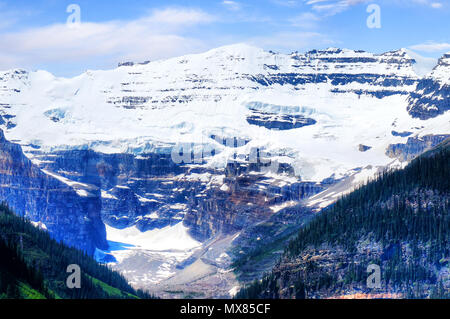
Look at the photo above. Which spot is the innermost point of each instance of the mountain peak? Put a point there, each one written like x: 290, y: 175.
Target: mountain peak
x: 445, y: 59
x: 441, y: 71
x: 402, y: 53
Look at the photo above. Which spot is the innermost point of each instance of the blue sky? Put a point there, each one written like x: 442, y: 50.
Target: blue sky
x: 35, y: 35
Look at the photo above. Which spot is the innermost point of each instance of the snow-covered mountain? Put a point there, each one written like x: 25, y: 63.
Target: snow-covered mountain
x: 351, y: 96
x: 196, y: 139
x: 432, y: 94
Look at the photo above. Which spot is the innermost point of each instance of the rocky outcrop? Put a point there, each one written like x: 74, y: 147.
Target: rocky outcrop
x: 430, y: 99
x: 70, y: 212
x: 432, y: 95
x: 401, y: 134
x: 245, y: 199
x: 151, y: 191
x: 259, y: 247
x: 341, y: 67
x: 414, y: 146
x: 363, y: 148
x: 142, y: 191
x: 278, y: 122
x: 227, y: 212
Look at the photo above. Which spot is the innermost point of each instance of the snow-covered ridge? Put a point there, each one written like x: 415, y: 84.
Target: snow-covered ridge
x: 348, y: 98
x: 432, y: 95
x: 442, y: 70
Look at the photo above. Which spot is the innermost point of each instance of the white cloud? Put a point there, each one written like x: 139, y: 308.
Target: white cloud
x: 159, y: 34
x: 178, y: 17
x: 332, y: 7
x: 436, y: 5
x: 232, y: 5
x: 306, y: 20
x: 431, y: 47
x: 286, y: 3
x: 429, y: 3
x: 423, y: 65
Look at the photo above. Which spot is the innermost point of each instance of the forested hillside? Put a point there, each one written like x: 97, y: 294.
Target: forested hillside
x: 33, y: 266
x: 399, y: 222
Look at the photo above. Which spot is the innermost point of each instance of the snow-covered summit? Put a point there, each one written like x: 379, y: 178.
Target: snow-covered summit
x: 442, y: 70
x: 432, y: 95
x: 316, y: 107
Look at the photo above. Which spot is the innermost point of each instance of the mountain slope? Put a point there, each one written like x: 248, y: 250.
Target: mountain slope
x: 400, y: 222
x: 17, y: 279
x: 70, y: 213
x: 432, y: 95
x: 214, y: 148
x: 33, y: 266
x: 323, y: 113
x: 330, y: 96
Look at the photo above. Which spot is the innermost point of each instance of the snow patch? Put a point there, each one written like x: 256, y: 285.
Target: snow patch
x: 39, y: 225
x: 168, y: 238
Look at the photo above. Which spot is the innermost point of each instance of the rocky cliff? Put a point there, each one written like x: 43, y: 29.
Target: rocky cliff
x: 396, y: 225
x: 69, y: 211
x: 414, y: 146
x: 432, y: 95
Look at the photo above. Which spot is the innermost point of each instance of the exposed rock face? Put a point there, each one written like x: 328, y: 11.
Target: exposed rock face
x: 279, y: 122
x: 259, y: 247
x: 432, y: 95
x: 326, y: 269
x: 10, y: 89
x: 228, y: 212
x: 152, y: 191
x: 106, y: 134
x: 244, y: 200
x: 414, y: 146
x: 216, y: 76
x: 433, y: 99
x: 401, y: 134
x: 341, y: 67
x: 142, y: 191
x: 70, y: 213
x: 363, y: 148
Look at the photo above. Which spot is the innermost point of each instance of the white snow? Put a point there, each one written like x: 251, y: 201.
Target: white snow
x: 147, y: 258
x: 441, y: 72
x: 107, y: 195
x: 83, y: 190
x: 39, y: 225
x: 277, y: 208
x: 153, y: 215
x: 233, y: 291
x: 365, y: 175
x: 423, y: 65
x: 146, y: 200
x: 169, y: 238
x: 153, y: 107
